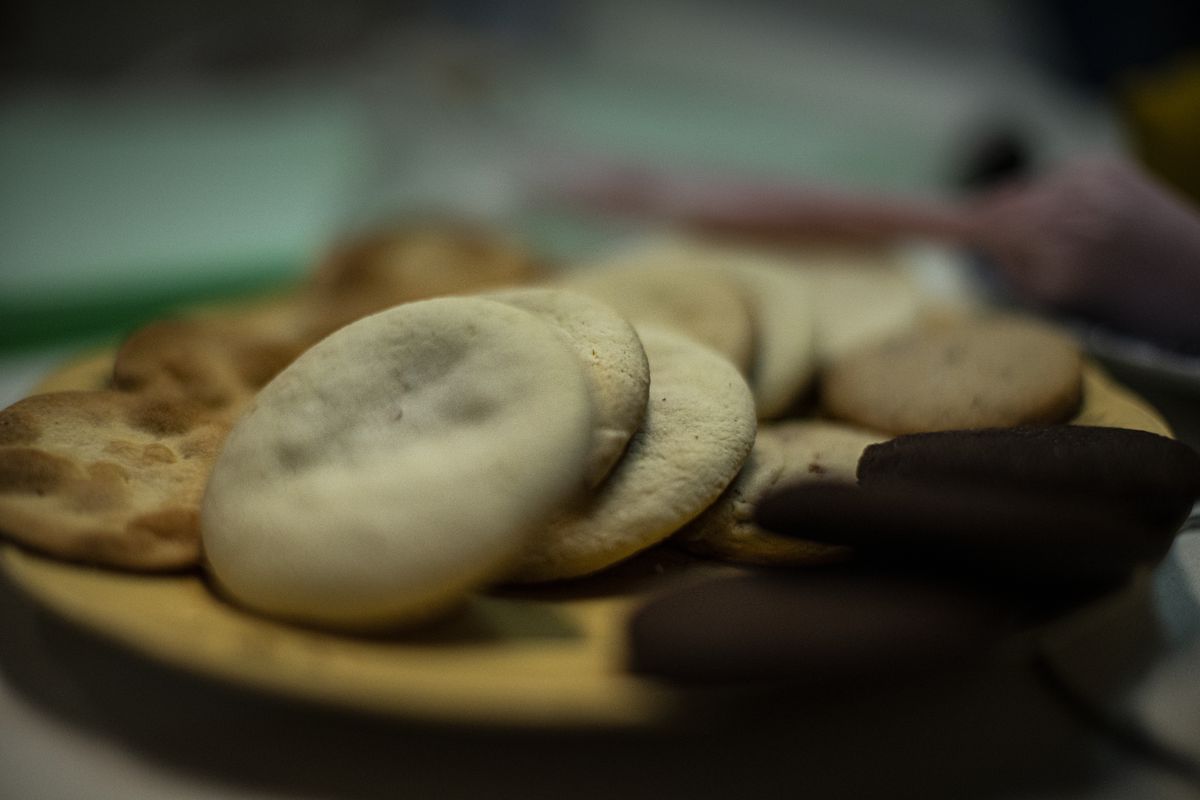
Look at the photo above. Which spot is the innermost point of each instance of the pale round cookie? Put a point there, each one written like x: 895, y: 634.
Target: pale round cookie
x: 398, y: 464
x: 989, y: 372
x: 858, y: 302
x: 614, y: 361
x: 648, y: 285
x: 698, y: 430
x: 781, y: 301
x: 858, y: 294
x: 789, y: 452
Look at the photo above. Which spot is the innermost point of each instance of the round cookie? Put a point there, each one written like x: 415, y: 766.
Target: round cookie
x: 783, y: 453
x: 614, y: 360
x: 398, y: 464
x: 1064, y: 543
x: 781, y: 302
x: 858, y: 302
x: 106, y: 477
x: 698, y: 430
x: 649, y: 286
x: 217, y: 364
x: 1155, y: 478
x: 990, y: 372
x: 835, y: 630
x: 410, y: 261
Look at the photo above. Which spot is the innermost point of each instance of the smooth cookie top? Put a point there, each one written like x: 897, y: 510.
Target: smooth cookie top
x: 991, y: 372
x: 398, y: 464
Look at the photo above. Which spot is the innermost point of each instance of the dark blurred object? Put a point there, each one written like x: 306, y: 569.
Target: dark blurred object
x: 1035, y: 544
x: 996, y: 155
x: 1153, y: 478
x: 1099, y: 41
x: 71, y: 40
x: 1063, y: 507
x: 1146, y: 57
x: 1161, y: 110
x: 79, y: 42
x: 831, y: 631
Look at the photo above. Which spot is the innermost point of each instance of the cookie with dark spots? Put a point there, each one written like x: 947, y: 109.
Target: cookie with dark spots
x: 216, y: 364
x: 106, y: 477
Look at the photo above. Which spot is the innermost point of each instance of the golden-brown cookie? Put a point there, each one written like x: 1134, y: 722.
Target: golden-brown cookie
x: 990, y: 372
x: 217, y: 364
x: 413, y: 261
x: 106, y: 477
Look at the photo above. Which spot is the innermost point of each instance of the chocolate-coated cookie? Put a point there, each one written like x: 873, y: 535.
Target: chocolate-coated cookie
x: 1154, y: 477
x: 835, y: 629
x: 1008, y: 535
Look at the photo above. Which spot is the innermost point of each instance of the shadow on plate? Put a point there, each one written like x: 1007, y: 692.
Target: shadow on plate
x: 977, y: 733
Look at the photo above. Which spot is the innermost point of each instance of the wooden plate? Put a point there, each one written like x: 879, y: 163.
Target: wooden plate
x: 545, y: 658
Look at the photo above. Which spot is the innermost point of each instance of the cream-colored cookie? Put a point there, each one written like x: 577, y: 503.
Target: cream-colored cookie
x: 698, y: 430
x: 859, y: 295
x: 858, y: 301
x: 651, y: 287
x: 106, y: 477
x: 789, y: 452
x: 614, y: 361
x: 988, y: 372
x: 398, y: 464
x: 781, y: 299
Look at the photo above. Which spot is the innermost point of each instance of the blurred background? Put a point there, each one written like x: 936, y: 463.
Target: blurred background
x: 157, y: 153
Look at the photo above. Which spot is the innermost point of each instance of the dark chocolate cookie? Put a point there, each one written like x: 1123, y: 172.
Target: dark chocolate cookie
x: 833, y: 629
x: 1004, y: 534
x: 1155, y: 478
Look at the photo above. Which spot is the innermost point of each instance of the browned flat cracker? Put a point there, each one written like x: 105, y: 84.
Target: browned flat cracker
x: 214, y: 363
x: 106, y: 477
x: 395, y: 265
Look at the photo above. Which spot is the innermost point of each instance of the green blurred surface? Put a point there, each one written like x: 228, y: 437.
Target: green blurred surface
x: 118, y: 208
x: 53, y: 318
